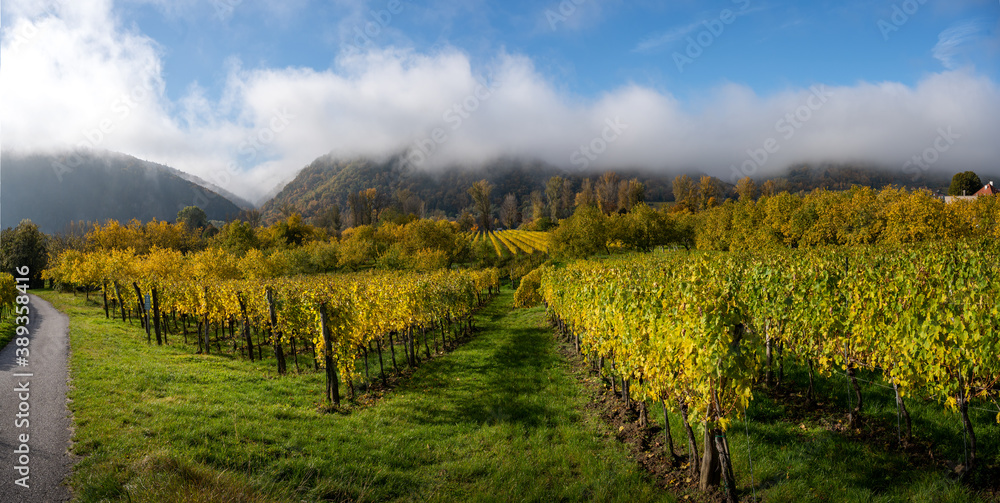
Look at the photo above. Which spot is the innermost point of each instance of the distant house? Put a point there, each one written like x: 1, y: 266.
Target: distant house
x: 988, y: 190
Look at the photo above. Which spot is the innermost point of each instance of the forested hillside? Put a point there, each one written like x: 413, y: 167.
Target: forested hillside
x: 54, y: 190
x: 330, y: 181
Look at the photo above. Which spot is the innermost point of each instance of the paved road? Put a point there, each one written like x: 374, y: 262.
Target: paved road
x: 49, y: 424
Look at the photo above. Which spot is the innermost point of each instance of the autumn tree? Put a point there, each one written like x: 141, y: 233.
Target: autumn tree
x: 768, y: 189
x: 538, y: 208
x: 747, y: 189
x: 686, y: 193
x: 287, y: 209
x: 553, y: 194
x: 586, y: 195
x: 72, y: 237
x: 566, y: 198
x: 409, y: 203
x: 480, y: 193
x: 630, y: 193
x: 606, y: 192
x: 709, y: 192
x: 509, y: 213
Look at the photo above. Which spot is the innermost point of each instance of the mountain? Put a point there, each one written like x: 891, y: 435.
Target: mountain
x: 806, y: 177
x: 54, y: 189
x: 329, y: 180
x: 233, y: 198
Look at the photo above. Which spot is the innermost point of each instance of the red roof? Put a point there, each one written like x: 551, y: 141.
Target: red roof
x: 987, y: 190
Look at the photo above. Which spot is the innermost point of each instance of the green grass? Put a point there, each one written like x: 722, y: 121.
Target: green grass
x: 810, y: 460
x: 500, y: 418
x: 7, y: 327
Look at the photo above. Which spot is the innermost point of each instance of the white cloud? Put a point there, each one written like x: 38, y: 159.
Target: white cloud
x: 67, y: 74
x: 654, y: 42
x: 954, y: 41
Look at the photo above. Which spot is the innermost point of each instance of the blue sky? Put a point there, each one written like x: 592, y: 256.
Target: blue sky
x: 588, y: 48
x: 245, y: 92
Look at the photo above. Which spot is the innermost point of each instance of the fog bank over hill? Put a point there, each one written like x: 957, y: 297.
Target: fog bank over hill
x: 445, y: 108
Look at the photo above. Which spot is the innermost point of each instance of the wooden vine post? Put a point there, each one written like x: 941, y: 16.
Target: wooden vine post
x: 207, y: 350
x: 121, y: 302
x: 332, y: 381
x: 156, y: 316
x: 279, y: 353
x: 104, y: 291
x: 246, y: 324
x: 143, y: 315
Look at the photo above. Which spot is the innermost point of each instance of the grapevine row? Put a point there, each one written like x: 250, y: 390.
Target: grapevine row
x: 698, y: 332
x: 340, y: 316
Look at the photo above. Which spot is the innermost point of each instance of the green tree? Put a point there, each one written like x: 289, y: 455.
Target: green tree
x: 965, y: 183
x: 466, y: 221
x: 237, y: 237
x: 641, y: 229
x: 581, y: 235
x: 21, y: 246
x: 193, y: 218
x: 357, y: 247
x: 329, y: 219
x: 293, y: 232
x: 714, y: 228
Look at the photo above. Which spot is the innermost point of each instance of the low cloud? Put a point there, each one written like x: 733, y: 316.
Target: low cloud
x: 74, y: 76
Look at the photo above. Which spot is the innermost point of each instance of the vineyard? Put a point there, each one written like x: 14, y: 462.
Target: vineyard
x: 700, y: 334
x: 338, y: 318
x: 514, y: 242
